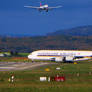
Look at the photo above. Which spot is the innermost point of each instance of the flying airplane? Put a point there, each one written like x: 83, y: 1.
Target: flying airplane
x: 43, y: 7
x: 60, y: 55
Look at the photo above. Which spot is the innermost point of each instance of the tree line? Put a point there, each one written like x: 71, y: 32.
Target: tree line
x: 29, y: 44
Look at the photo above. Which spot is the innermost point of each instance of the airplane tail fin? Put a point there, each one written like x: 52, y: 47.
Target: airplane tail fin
x: 40, y: 4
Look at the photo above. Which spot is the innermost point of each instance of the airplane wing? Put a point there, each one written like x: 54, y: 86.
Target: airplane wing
x: 54, y: 7
x: 32, y: 7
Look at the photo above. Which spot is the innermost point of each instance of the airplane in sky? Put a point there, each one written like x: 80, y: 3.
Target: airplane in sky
x: 60, y: 55
x: 43, y: 7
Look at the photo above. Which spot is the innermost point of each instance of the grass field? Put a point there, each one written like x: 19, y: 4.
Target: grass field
x: 28, y: 80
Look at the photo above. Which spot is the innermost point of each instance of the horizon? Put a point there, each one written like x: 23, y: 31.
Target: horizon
x: 28, y: 35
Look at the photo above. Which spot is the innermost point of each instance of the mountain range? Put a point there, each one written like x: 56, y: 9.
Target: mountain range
x: 77, y: 31
x: 79, y: 38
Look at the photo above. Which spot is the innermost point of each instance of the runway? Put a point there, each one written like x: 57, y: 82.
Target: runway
x: 14, y: 66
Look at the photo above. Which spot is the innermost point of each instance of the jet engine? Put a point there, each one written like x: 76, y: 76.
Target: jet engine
x: 63, y: 59
x: 68, y: 59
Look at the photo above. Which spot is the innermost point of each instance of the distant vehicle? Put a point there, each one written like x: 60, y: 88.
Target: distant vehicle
x: 43, y: 7
x: 4, y: 55
x: 60, y: 55
x: 1, y: 55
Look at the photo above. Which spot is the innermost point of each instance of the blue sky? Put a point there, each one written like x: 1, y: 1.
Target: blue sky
x: 15, y: 19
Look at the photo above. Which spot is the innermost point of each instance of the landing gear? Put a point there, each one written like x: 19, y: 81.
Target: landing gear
x: 47, y: 10
x: 39, y: 10
x: 32, y: 61
x: 65, y: 61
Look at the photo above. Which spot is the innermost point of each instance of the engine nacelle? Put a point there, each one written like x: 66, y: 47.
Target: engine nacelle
x: 63, y: 59
x: 69, y: 58
x: 57, y: 59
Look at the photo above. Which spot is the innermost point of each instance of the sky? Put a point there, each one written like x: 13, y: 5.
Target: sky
x: 15, y: 19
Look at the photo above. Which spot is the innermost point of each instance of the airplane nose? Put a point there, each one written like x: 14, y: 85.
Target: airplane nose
x: 29, y: 56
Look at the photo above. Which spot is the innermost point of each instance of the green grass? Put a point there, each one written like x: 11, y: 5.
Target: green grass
x: 28, y: 80
x: 49, y: 89
x: 19, y: 54
x: 14, y: 59
x: 24, y: 54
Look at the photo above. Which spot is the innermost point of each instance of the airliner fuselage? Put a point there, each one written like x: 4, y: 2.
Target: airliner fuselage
x: 60, y: 55
x: 44, y: 7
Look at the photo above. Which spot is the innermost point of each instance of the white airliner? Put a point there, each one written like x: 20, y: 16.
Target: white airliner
x: 60, y: 55
x: 43, y: 7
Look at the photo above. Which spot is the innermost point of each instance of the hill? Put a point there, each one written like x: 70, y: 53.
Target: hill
x: 78, y: 31
x: 28, y: 44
